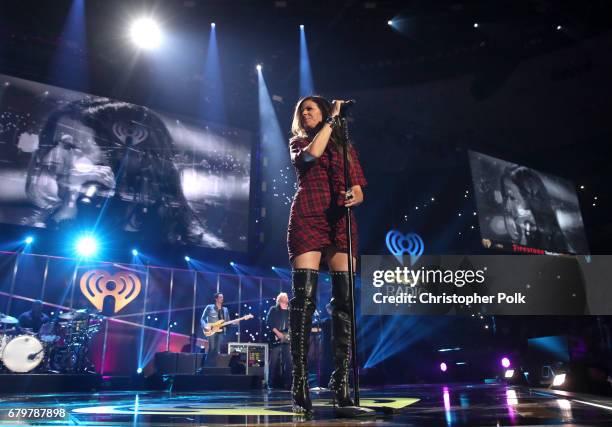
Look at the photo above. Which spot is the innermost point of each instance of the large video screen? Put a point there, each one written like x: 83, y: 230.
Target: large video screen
x: 70, y: 158
x: 518, y: 205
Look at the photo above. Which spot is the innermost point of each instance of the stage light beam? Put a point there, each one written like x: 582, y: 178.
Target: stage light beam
x: 306, y: 80
x: 28, y: 240
x: 187, y: 258
x: 145, y: 33
x: 135, y: 252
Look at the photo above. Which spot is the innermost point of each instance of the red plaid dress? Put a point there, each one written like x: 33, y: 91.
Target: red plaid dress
x: 318, y: 216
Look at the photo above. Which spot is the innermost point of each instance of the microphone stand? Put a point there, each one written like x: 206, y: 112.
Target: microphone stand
x: 349, y: 240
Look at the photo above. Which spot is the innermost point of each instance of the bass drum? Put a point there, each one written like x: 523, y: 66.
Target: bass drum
x: 23, y: 354
x: 3, y: 340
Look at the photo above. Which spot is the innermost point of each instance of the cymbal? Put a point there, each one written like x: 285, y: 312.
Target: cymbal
x: 81, y: 314
x: 8, y: 320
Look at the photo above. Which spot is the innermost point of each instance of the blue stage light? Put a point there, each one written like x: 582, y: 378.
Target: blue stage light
x: 139, y: 371
x: 187, y: 258
x: 259, y: 67
x: 232, y: 263
x: 390, y: 23
x: 273, y: 268
x: 135, y: 252
x: 306, y: 80
x: 29, y: 240
x: 87, y: 246
x: 213, y: 25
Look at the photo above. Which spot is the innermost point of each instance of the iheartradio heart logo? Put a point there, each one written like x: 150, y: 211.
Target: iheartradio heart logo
x: 98, y: 284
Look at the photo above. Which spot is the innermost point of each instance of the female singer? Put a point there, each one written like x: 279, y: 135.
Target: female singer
x: 317, y: 227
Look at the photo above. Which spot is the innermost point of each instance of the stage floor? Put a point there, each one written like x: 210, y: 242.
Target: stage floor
x: 426, y: 405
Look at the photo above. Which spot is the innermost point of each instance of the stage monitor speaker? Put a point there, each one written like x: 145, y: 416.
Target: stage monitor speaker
x: 168, y: 363
x: 223, y: 360
x: 165, y: 362
x: 188, y: 363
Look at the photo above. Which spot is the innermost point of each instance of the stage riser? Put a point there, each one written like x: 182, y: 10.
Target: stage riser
x: 213, y: 382
x: 43, y: 383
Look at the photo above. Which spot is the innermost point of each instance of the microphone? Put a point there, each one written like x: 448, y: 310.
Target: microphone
x: 32, y: 356
x: 346, y: 105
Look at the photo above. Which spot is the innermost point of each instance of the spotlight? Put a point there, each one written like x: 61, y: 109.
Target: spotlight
x: 232, y: 263
x: 187, y: 258
x: 505, y: 362
x: 87, y: 246
x: 139, y: 371
x: 29, y: 240
x: 213, y: 25
x: 443, y: 367
x: 558, y: 380
x: 259, y: 67
x: 145, y: 33
x: 509, y: 373
x: 559, y: 27
x: 273, y: 268
x: 475, y: 24
x: 135, y: 252
x: 301, y: 26
x: 390, y: 23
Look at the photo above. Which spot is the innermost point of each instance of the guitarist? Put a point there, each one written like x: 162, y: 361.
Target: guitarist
x: 280, y: 355
x: 213, y: 313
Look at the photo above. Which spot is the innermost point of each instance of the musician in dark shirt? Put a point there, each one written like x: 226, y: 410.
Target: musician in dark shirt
x: 213, y: 313
x: 280, y: 355
x: 34, y: 318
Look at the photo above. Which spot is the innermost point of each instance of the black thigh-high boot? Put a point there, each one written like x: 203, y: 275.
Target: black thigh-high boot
x: 301, y: 309
x: 341, y: 338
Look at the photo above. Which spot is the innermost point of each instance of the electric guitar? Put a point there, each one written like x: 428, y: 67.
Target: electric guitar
x: 218, y: 326
x: 273, y: 340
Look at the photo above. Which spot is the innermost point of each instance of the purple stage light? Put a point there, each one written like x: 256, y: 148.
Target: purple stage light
x: 505, y: 362
x: 443, y: 367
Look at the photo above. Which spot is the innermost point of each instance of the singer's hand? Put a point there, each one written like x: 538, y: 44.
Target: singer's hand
x: 336, y: 106
x: 354, y: 197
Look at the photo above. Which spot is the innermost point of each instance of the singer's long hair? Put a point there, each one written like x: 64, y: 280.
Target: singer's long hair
x: 298, y: 131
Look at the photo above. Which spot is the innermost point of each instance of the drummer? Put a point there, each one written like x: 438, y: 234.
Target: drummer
x: 33, y: 318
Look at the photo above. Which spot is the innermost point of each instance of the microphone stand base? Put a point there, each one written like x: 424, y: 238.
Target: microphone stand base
x: 354, y: 412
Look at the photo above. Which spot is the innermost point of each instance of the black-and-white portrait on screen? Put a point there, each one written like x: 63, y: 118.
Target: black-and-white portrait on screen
x: 519, y: 205
x: 69, y: 158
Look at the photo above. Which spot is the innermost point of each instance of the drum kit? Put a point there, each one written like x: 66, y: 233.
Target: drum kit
x: 61, y: 345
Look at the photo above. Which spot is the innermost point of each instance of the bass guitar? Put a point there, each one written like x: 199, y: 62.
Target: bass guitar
x: 218, y: 326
